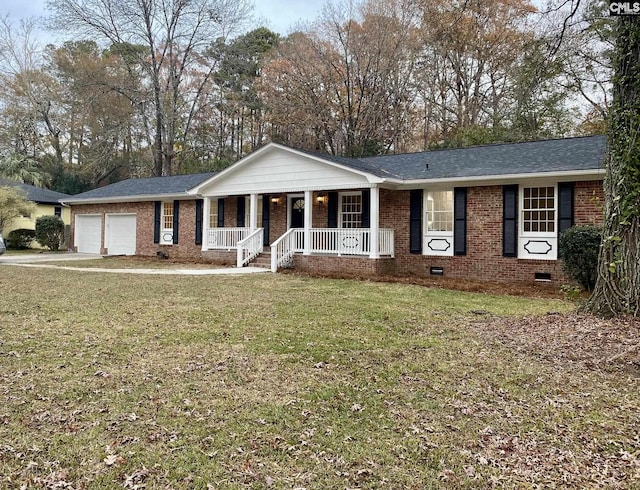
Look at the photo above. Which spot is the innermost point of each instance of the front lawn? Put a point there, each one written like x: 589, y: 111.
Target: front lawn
x: 281, y: 381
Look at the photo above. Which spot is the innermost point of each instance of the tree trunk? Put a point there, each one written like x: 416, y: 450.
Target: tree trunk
x: 617, y: 289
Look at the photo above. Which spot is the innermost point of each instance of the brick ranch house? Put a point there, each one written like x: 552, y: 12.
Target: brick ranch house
x: 486, y: 213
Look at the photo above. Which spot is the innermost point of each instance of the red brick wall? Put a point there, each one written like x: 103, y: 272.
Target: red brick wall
x: 484, y: 260
x: 185, y: 248
x: 347, y: 266
x: 589, y: 202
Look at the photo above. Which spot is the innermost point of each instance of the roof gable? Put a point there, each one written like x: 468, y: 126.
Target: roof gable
x: 275, y: 168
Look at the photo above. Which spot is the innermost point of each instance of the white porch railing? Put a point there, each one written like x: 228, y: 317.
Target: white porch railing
x: 283, y: 248
x: 225, y: 238
x: 345, y: 241
x: 386, y: 242
x: 329, y: 241
x: 250, y: 247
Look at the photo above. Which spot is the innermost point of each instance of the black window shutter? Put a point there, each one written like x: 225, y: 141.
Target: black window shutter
x: 240, y: 214
x: 265, y: 219
x: 460, y: 221
x: 176, y: 221
x: 415, y: 221
x: 332, y: 210
x: 510, y: 220
x: 199, y: 222
x: 366, y: 208
x: 565, y: 206
x: 157, y: 216
x: 221, y: 212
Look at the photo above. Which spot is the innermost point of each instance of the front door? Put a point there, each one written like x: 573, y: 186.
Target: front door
x: 297, y: 212
x: 297, y: 220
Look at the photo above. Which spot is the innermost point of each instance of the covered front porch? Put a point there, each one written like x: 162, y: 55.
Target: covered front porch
x: 351, y: 226
x: 289, y: 202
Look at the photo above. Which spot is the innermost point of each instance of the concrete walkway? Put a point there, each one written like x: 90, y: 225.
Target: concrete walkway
x: 33, y: 260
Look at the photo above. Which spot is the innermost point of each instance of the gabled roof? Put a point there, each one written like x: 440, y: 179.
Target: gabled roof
x: 536, y: 157
x: 143, y: 189
x: 36, y: 194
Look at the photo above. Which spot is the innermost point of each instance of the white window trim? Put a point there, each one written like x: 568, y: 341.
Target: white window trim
x: 521, y: 210
x: 341, y: 196
x: 537, y: 245
x: 444, y: 238
x: 166, y: 234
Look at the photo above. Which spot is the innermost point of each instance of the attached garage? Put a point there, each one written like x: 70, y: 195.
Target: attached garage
x: 88, y: 233
x: 120, y: 234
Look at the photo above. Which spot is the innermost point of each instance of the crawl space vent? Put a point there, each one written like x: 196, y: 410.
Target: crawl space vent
x: 543, y: 276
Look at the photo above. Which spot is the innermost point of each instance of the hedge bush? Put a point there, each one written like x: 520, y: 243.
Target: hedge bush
x: 20, y: 239
x: 50, y: 231
x: 579, y: 247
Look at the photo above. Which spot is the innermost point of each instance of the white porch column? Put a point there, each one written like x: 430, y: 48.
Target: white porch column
x: 374, y: 219
x: 206, y: 212
x: 308, y: 220
x: 253, y: 212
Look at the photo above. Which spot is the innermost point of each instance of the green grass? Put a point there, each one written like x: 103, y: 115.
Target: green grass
x: 280, y: 381
x: 118, y: 262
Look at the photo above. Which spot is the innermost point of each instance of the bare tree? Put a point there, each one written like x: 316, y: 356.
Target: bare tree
x: 30, y: 97
x: 175, y: 34
x: 344, y: 85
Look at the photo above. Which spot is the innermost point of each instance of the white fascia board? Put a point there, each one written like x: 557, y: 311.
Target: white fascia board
x: 290, y: 190
x: 570, y: 175
x: 197, y: 190
x: 121, y: 199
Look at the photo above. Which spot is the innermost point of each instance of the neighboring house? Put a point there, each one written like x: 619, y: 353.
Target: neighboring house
x: 47, y: 204
x: 486, y: 213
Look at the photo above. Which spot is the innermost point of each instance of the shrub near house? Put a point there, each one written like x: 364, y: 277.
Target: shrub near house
x: 50, y: 232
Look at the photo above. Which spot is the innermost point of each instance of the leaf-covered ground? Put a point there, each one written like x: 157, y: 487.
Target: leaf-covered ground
x: 283, y: 381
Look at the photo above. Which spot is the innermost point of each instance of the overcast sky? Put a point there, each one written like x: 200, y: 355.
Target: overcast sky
x: 279, y: 15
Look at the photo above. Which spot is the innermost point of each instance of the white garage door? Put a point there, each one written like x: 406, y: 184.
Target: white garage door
x: 120, y: 235
x: 88, y: 232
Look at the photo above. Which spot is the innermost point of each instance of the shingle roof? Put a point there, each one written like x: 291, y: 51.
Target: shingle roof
x: 36, y: 194
x: 152, y: 186
x: 569, y: 154
x: 537, y: 157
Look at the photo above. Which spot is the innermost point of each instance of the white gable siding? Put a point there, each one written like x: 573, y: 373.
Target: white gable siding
x: 282, y: 171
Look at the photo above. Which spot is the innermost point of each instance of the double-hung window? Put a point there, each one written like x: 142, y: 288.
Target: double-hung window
x: 438, y: 222
x: 350, y: 213
x: 538, y: 228
x: 166, y: 223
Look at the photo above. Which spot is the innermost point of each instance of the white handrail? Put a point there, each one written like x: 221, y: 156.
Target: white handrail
x: 250, y: 247
x: 283, y: 248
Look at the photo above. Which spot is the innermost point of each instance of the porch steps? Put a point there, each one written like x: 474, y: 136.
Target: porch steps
x: 263, y: 260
